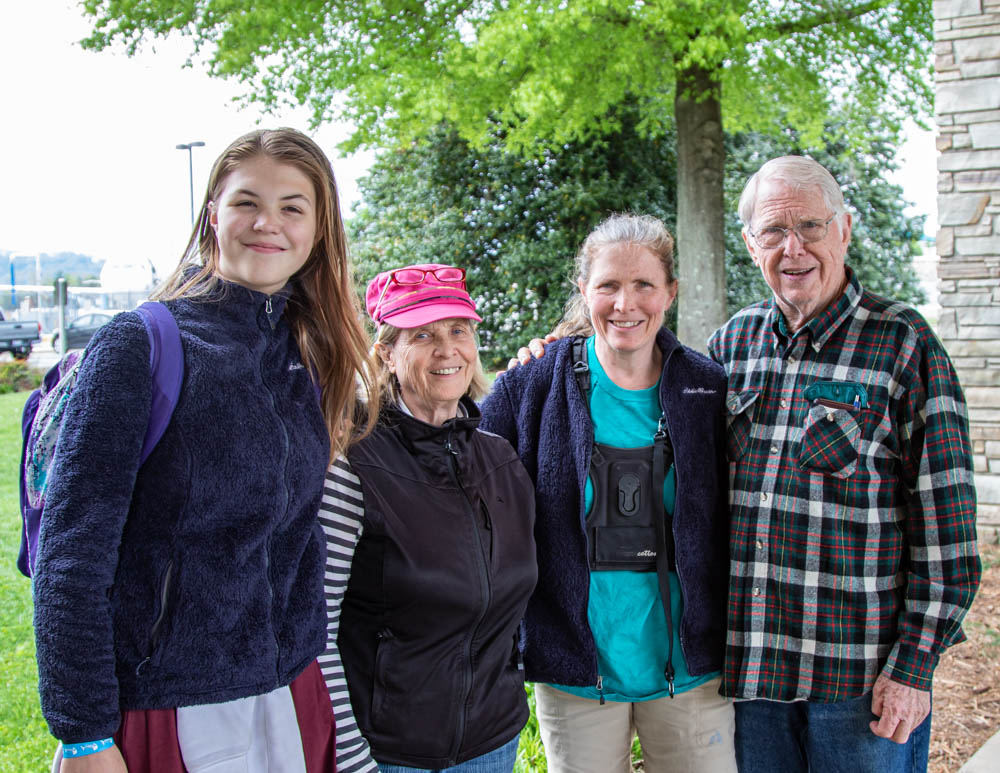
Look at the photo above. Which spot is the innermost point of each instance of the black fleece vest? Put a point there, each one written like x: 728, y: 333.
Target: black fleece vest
x: 439, y: 583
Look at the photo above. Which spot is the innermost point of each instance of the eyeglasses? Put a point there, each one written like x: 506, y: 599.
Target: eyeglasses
x: 414, y: 276
x: 808, y: 231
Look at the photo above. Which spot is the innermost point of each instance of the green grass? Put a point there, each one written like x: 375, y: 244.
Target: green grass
x: 25, y: 743
x: 530, y: 754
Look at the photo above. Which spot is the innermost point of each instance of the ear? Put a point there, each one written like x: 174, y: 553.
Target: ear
x: 671, y: 296
x: 582, y: 286
x: 384, y: 352
x: 213, y: 215
x: 845, y: 228
x: 751, y: 247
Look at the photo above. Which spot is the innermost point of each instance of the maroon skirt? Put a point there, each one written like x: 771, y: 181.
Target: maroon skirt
x: 148, y: 738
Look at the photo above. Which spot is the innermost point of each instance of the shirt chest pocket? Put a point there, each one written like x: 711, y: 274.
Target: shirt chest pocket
x: 739, y: 422
x: 831, y: 437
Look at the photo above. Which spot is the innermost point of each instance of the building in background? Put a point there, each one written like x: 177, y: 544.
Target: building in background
x: 967, y: 76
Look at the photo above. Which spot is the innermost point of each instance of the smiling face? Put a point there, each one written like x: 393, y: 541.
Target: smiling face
x: 805, y: 278
x: 265, y: 224
x: 627, y: 294
x: 434, y: 365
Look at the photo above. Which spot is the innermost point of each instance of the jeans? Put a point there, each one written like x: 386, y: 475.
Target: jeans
x: 500, y: 760
x: 774, y: 737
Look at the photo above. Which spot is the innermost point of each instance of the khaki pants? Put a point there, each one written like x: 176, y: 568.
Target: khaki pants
x: 689, y: 733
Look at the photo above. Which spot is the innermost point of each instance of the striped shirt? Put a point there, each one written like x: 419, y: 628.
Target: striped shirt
x: 853, y: 534
x: 340, y: 515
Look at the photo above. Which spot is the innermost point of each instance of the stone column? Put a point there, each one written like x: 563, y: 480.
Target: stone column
x: 967, y: 62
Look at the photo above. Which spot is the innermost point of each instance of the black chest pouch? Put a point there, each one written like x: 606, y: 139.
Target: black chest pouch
x: 622, y: 523
x: 628, y: 527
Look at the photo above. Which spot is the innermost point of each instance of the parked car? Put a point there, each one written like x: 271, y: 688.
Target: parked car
x: 17, y: 337
x: 79, y: 331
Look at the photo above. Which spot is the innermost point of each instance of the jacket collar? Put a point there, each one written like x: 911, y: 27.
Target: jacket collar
x: 243, y: 305
x: 667, y: 341
x: 415, y: 432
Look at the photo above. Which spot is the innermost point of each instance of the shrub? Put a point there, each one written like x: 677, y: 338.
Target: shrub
x: 18, y: 377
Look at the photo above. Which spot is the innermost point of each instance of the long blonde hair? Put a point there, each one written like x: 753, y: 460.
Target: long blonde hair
x: 323, y: 310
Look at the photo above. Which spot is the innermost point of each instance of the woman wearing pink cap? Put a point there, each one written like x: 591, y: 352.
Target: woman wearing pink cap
x: 432, y: 522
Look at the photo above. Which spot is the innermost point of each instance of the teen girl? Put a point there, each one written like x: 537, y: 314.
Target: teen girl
x: 179, y: 607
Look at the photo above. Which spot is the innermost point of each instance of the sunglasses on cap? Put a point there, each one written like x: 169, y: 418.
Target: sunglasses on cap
x: 415, y: 276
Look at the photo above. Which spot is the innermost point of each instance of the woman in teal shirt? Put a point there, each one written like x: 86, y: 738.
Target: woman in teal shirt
x: 613, y: 654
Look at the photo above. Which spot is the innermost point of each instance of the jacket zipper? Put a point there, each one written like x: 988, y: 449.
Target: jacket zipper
x: 267, y: 547
x: 588, y: 459
x: 673, y: 518
x: 484, y: 577
x: 383, y: 637
x: 154, y: 631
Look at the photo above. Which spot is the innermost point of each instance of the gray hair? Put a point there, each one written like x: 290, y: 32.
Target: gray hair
x: 798, y: 172
x: 387, y: 384
x: 643, y: 231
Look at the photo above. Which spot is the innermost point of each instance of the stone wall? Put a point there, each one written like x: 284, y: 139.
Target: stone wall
x: 967, y: 62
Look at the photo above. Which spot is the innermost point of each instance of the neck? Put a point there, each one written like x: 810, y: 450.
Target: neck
x: 798, y: 318
x: 431, y: 413
x: 630, y: 370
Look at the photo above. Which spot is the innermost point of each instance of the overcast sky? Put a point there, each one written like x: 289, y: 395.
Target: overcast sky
x: 89, y: 160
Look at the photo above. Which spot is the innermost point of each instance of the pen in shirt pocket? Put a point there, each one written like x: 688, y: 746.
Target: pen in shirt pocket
x: 843, y: 395
x: 836, y: 404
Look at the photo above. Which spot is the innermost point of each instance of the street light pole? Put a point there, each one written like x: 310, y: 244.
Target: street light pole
x: 187, y: 147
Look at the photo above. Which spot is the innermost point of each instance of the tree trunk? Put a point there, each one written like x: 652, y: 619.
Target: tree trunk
x: 701, y: 243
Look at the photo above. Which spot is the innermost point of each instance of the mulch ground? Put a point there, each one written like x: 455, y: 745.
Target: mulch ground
x: 967, y: 680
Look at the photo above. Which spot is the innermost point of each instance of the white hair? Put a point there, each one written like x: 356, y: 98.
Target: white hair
x: 798, y: 172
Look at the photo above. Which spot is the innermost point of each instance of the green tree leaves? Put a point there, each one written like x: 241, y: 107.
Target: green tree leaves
x: 515, y: 224
x: 545, y: 71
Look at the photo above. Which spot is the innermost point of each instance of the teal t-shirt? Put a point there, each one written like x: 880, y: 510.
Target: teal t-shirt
x: 625, y: 611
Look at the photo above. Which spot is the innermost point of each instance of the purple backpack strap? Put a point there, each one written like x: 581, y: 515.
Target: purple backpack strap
x: 166, y: 363
x: 29, y: 526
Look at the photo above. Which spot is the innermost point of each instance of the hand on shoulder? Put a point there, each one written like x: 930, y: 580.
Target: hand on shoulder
x: 535, y: 349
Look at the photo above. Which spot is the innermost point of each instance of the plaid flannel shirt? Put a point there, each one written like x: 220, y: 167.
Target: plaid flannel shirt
x: 853, y: 534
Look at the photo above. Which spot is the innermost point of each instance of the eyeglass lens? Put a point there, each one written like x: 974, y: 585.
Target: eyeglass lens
x: 808, y: 231
x: 414, y: 276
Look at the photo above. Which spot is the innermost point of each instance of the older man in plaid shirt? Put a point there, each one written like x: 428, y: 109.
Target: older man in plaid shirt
x: 853, y: 538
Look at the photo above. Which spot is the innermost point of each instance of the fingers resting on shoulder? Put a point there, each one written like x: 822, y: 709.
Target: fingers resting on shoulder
x: 534, y: 350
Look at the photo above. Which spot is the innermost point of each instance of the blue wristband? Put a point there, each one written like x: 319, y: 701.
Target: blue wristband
x: 70, y: 750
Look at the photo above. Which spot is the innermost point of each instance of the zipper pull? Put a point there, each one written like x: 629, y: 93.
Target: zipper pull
x: 268, y: 310
x: 669, y: 673
x: 600, y: 688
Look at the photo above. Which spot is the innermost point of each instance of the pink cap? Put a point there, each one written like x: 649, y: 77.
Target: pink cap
x: 416, y: 295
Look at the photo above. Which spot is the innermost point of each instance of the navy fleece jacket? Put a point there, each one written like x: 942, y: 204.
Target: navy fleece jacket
x: 197, y: 579
x: 539, y: 408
